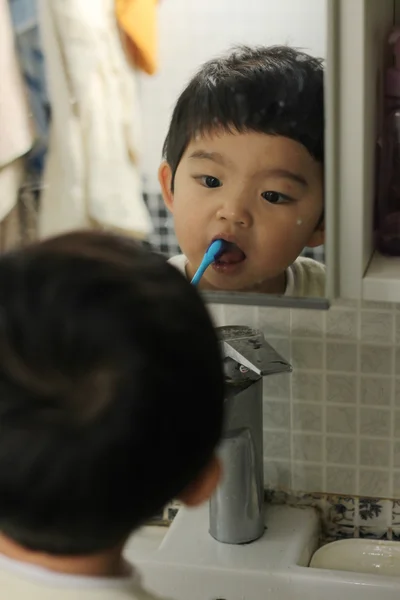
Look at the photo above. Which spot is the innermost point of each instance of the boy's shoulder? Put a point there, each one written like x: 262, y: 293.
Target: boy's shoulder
x: 309, y: 278
x: 20, y: 580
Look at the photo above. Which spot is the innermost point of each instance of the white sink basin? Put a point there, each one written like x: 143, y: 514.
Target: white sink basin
x: 360, y: 556
x: 188, y: 563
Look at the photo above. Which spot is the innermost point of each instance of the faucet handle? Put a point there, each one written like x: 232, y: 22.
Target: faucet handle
x: 249, y: 348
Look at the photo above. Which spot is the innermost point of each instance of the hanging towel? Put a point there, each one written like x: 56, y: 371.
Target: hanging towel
x: 31, y: 59
x: 92, y: 175
x: 15, y: 126
x: 138, y: 22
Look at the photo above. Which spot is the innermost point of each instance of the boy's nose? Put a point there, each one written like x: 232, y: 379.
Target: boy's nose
x: 235, y: 212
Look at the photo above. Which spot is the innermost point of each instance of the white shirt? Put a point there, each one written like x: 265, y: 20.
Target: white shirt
x: 305, y: 278
x: 22, y: 581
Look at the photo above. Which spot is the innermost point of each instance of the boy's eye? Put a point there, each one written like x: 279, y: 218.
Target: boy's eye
x: 275, y: 197
x: 210, y: 182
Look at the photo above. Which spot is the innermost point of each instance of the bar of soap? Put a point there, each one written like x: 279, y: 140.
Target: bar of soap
x: 359, y: 556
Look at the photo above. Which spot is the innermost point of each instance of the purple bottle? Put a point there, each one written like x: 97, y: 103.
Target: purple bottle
x: 388, y: 213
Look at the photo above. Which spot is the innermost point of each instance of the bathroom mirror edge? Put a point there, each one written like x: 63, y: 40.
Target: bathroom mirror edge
x: 331, y: 93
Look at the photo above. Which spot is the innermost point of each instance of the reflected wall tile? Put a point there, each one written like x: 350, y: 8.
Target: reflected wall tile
x: 307, y: 354
x: 277, y: 444
x: 375, y: 422
x: 374, y: 453
x: 341, y: 419
x: 376, y: 359
x: 341, y: 324
x: 274, y: 321
x: 397, y: 392
x: 306, y: 477
x: 397, y: 362
x: 307, y: 386
x: 307, y: 447
x: 374, y: 483
x: 276, y: 415
x: 341, y: 450
x: 376, y: 391
x: 307, y: 417
x: 341, y: 357
x: 377, y: 327
x: 340, y: 480
x: 341, y: 389
x: 306, y: 323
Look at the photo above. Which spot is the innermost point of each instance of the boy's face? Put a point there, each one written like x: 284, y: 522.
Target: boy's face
x: 262, y: 193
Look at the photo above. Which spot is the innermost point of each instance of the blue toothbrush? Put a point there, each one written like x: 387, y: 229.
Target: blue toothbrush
x: 213, y: 251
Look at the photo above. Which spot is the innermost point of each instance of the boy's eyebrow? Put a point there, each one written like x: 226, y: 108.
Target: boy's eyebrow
x: 214, y: 156
x: 283, y: 173
x: 286, y: 174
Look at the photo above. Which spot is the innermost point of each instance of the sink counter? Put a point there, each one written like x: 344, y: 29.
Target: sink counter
x: 185, y: 562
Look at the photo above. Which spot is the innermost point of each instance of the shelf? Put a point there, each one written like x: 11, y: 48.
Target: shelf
x: 381, y: 282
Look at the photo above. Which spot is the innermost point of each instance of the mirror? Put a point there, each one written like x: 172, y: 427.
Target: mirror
x: 180, y: 124
x: 261, y: 190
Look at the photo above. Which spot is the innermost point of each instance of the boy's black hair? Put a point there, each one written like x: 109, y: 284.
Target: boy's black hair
x: 111, y: 391
x: 275, y: 90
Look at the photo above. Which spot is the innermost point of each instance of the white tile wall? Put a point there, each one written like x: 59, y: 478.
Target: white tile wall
x: 333, y: 425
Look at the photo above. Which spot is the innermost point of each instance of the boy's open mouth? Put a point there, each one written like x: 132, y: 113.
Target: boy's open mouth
x: 232, y: 254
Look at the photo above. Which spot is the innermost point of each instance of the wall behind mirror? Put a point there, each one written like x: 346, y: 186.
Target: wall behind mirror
x: 244, y: 158
x: 189, y: 35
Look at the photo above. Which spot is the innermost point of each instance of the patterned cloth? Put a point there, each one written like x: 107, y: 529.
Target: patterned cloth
x: 31, y: 59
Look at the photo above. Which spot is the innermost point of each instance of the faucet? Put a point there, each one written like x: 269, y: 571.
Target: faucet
x: 237, y: 506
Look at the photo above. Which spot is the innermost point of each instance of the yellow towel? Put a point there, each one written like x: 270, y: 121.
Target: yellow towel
x: 137, y: 20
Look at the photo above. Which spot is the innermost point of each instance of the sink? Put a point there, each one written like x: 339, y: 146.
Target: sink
x: 186, y: 562
x: 360, y: 556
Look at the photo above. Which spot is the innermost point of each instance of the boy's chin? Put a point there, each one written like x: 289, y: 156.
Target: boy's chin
x: 222, y: 283
x: 275, y: 286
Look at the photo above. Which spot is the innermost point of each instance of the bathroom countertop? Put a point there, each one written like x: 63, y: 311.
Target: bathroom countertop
x: 145, y: 542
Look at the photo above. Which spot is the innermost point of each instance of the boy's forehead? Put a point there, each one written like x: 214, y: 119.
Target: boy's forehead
x: 250, y: 149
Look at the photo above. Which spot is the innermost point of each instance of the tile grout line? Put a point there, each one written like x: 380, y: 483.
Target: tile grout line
x: 392, y: 405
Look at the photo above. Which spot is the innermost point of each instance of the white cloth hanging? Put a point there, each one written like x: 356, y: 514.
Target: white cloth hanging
x: 16, y: 136
x: 92, y: 172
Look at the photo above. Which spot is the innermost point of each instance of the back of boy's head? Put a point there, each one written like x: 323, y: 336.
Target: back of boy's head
x: 274, y: 90
x: 111, y: 391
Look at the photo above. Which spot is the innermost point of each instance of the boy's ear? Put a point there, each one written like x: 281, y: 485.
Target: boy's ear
x: 202, y: 488
x: 165, y: 180
x: 318, y: 236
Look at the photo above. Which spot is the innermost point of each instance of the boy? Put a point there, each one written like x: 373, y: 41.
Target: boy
x: 108, y: 365
x: 244, y: 163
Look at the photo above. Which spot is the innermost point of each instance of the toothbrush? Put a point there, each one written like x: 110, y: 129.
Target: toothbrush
x: 213, y: 251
